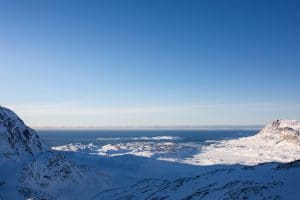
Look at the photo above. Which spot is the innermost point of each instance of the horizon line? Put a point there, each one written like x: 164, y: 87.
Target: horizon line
x: 179, y: 127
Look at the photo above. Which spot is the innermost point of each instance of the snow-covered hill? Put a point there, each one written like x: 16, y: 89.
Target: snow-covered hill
x: 17, y: 141
x: 282, y: 131
x: 276, y: 142
x: 28, y: 168
x: 263, y: 166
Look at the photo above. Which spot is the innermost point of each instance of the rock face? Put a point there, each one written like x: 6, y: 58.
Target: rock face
x: 278, y: 141
x: 28, y: 168
x: 282, y: 130
x: 16, y: 139
x: 48, y: 175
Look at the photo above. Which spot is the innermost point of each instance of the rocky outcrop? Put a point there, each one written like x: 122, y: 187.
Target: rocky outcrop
x: 29, y: 166
x: 30, y: 170
x: 282, y: 130
x: 49, y: 170
x: 217, y: 184
x: 17, y: 140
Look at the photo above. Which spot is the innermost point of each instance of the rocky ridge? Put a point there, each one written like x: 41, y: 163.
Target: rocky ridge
x: 282, y: 130
x: 28, y: 167
x: 17, y: 141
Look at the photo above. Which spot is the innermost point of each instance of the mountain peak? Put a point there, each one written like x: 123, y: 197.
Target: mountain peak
x: 282, y: 130
x: 16, y: 139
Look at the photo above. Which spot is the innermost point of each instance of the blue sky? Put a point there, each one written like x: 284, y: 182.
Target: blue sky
x: 150, y: 63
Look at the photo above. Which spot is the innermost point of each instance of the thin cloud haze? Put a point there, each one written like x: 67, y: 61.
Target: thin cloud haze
x: 102, y: 63
x: 51, y: 115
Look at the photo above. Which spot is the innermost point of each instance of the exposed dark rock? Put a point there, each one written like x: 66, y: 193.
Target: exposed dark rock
x: 16, y: 138
x: 30, y: 193
x: 292, y: 164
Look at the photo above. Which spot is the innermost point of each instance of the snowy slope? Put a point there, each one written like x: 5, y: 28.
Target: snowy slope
x: 276, y: 142
x: 231, y: 169
x: 17, y: 141
x: 235, y: 182
x: 28, y: 169
x: 270, y: 181
x: 263, y: 166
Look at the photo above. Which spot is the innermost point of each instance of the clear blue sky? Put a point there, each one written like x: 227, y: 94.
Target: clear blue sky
x: 146, y: 63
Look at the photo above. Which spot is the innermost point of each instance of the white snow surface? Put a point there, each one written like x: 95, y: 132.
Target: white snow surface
x: 263, y: 166
x: 29, y: 169
x: 277, y: 142
x: 159, y: 150
x: 141, y: 138
x: 17, y: 141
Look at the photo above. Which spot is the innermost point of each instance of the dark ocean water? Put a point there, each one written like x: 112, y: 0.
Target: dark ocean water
x: 102, y: 137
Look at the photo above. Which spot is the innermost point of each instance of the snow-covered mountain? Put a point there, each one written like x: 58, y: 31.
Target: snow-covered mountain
x: 28, y: 168
x: 282, y: 131
x: 231, y: 182
x: 276, y: 142
x: 17, y: 141
x: 263, y: 166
